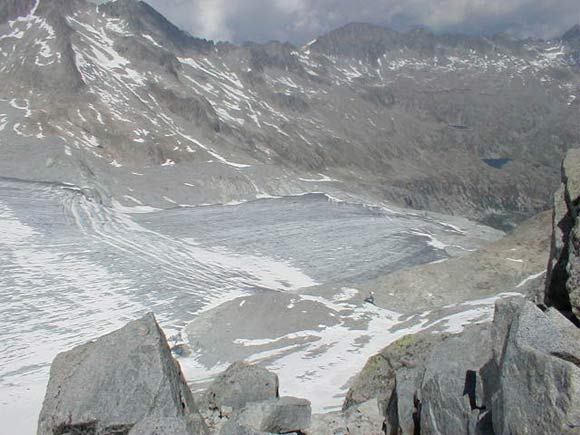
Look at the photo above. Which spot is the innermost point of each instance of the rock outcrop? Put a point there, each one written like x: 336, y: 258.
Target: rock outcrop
x: 124, y: 382
x: 361, y: 419
x: 519, y: 376
x: 280, y: 416
x: 244, y: 400
x: 240, y: 384
x: 450, y: 392
x: 538, y: 380
x: 127, y: 383
x: 563, y: 279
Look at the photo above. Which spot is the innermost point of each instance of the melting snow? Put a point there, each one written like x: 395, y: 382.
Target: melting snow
x: 530, y: 278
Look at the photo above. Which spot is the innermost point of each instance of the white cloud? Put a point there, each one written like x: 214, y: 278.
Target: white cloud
x: 302, y: 20
x: 212, y: 17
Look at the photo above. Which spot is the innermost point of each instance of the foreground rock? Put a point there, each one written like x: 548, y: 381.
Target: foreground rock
x: 362, y: 419
x: 244, y: 400
x: 279, y: 416
x: 240, y: 384
x: 563, y: 279
x: 538, y: 380
x: 450, y: 395
x: 519, y: 376
x: 124, y: 382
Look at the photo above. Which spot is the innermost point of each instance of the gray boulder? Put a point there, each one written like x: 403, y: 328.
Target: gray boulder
x: 168, y: 426
x: 402, y: 410
x: 283, y: 415
x: 563, y: 277
x: 451, y: 393
x: 240, y: 384
x: 363, y: 419
x: 538, y: 387
x: 115, y: 382
x: 330, y: 423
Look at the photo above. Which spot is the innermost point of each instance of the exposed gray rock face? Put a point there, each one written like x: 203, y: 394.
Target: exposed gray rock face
x: 168, y: 426
x: 240, y: 384
x: 122, y: 379
x: 538, y: 387
x: 402, y: 412
x: 563, y: 280
x: 331, y: 423
x: 282, y: 415
x: 521, y: 375
x: 363, y: 419
x: 451, y: 391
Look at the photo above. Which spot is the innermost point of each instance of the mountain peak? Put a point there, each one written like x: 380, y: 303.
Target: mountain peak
x: 572, y: 36
x: 143, y: 18
x: 358, y: 40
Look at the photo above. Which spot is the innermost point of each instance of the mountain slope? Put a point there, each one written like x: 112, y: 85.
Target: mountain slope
x: 117, y: 99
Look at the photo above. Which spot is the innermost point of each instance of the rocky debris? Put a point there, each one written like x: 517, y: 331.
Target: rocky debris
x: 563, y: 279
x: 363, y: 419
x: 240, y: 384
x: 519, y: 375
x: 217, y: 332
x: 244, y: 400
x: 282, y: 415
x: 122, y: 380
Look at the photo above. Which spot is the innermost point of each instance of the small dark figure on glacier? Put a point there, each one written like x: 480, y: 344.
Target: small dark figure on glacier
x: 370, y: 298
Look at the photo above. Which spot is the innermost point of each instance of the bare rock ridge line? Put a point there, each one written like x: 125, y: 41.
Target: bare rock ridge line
x: 519, y: 374
x: 116, y: 98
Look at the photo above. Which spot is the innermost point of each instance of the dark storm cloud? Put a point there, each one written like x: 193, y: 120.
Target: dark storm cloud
x: 301, y: 20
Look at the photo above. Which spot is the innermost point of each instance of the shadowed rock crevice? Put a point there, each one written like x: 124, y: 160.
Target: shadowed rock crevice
x: 89, y: 428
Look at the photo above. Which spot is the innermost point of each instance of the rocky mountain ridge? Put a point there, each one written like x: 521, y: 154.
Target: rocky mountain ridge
x: 115, y: 98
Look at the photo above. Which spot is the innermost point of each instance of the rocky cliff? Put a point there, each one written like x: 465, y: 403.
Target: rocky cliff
x: 563, y: 279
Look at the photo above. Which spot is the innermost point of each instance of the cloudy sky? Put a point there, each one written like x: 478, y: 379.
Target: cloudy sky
x: 299, y: 21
